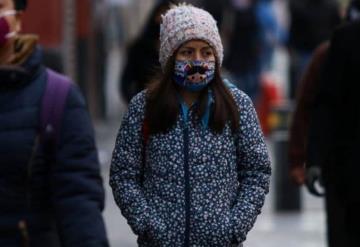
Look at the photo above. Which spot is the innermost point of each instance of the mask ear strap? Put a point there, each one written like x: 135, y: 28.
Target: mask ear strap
x: 8, y: 13
x: 11, y: 35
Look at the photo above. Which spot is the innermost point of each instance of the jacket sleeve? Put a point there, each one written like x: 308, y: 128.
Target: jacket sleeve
x: 253, y: 171
x: 323, y: 125
x: 305, y: 100
x: 126, y: 168
x: 76, y: 184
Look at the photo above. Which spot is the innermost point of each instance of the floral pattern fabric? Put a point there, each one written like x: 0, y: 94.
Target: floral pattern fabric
x: 196, y: 188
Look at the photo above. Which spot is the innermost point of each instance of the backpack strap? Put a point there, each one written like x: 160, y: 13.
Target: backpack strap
x: 52, y: 107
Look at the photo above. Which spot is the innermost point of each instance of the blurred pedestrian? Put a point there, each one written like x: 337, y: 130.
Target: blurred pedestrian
x: 51, y: 189
x: 243, y: 58
x: 217, y: 10
x: 307, y: 91
x: 143, y: 56
x: 269, y: 33
x: 312, y: 22
x: 190, y: 166
x: 300, y: 121
x: 333, y: 142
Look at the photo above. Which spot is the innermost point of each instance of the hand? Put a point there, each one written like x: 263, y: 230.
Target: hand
x: 313, y: 177
x: 157, y: 230
x: 222, y: 232
x: 297, y: 175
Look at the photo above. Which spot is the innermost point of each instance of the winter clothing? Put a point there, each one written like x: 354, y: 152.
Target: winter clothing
x: 312, y: 22
x: 59, y: 197
x: 243, y: 58
x: 141, y: 66
x: 334, y: 134
x: 184, y: 74
x: 143, y: 56
x: 184, y: 23
x: 305, y: 100
x: 269, y: 32
x: 193, y: 187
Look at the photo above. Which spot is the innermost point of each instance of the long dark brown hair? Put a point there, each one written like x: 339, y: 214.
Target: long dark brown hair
x: 162, y: 105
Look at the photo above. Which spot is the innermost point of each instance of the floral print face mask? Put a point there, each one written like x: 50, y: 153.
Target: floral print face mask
x: 194, y: 75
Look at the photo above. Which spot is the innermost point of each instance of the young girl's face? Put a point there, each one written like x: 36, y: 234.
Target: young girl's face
x: 195, y: 50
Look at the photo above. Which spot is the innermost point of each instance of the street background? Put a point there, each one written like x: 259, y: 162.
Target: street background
x: 88, y: 40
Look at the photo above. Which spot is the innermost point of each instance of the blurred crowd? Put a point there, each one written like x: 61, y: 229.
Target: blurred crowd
x: 320, y: 38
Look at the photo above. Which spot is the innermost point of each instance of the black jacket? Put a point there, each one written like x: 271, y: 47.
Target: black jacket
x: 312, y: 22
x: 334, y: 140
x: 67, y: 194
x: 141, y: 67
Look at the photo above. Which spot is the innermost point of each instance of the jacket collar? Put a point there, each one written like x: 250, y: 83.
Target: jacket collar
x: 24, y: 64
x: 185, y: 109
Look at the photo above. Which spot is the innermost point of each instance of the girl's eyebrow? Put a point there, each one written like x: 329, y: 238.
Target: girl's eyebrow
x: 192, y: 48
x: 188, y: 47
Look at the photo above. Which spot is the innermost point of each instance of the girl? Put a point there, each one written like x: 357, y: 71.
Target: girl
x: 190, y: 166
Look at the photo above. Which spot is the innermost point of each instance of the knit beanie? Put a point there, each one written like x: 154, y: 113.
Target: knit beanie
x: 183, y: 23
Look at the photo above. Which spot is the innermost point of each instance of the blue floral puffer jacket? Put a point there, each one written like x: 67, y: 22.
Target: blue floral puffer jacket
x: 196, y: 188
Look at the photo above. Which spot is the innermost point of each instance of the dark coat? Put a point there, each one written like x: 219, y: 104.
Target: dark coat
x: 334, y: 140
x: 141, y: 66
x: 143, y: 56
x: 312, y: 22
x: 244, y: 43
x: 67, y: 194
x: 305, y: 101
x: 199, y: 188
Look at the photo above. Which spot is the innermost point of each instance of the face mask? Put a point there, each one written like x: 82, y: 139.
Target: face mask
x: 5, y: 33
x: 194, y: 75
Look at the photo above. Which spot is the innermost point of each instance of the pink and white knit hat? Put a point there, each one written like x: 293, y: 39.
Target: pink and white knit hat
x: 186, y: 22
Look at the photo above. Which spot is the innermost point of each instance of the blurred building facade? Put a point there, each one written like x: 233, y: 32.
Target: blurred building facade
x: 76, y: 36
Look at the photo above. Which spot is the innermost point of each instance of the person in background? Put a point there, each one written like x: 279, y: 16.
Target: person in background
x: 51, y: 192
x: 312, y: 22
x: 306, y: 160
x: 269, y: 33
x: 217, y: 10
x: 308, y: 87
x: 190, y: 166
x: 333, y: 142
x: 243, y: 58
x: 142, y: 56
x: 300, y: 121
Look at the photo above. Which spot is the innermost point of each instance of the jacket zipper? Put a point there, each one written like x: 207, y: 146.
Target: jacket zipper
x: 30, y: 170
x: 187, y: 186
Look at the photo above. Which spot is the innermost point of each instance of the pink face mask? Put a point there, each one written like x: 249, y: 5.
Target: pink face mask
x: 5, y: 33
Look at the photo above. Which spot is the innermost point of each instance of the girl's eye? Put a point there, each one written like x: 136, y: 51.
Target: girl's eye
x: 208, y: 53
x: 186, y: 52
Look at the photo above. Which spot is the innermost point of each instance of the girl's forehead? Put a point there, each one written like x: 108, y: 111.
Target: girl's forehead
x: 195, y: 44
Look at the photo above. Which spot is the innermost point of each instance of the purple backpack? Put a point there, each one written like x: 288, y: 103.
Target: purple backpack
x: 52, y: 107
